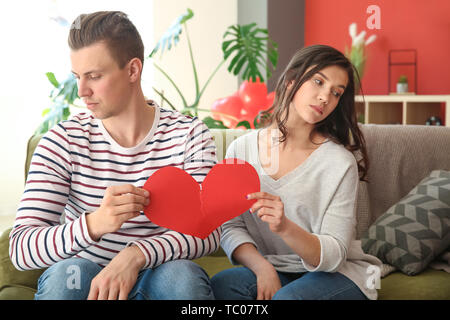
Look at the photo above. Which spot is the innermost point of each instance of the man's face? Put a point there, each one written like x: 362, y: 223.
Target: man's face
x: 103, y: 86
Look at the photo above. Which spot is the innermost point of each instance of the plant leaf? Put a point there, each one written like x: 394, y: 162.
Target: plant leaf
x: 172, y: 35
x: 250, y: 46
x: 244, y: 123
x: 51, y: 77
x: 212, y: 123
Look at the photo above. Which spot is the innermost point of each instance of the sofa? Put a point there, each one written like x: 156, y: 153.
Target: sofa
x: 400, y: 157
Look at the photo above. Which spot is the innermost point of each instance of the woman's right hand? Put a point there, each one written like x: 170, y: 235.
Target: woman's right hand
x: 267, y: 282
x: 267, y: 279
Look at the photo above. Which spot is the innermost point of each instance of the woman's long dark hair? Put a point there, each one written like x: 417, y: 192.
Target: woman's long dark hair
x: 341, y: 125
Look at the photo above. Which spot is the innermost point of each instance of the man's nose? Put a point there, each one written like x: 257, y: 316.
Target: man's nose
x: 83, y: 89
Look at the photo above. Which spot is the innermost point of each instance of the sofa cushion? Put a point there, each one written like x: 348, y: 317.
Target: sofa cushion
x: 415, y: 230
x: 17, y: 293
x: 400, y: 156
x: 428, y: 285
x: 10, y: 277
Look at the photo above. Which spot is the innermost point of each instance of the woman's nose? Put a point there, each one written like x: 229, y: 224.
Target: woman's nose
x: 323, y: 97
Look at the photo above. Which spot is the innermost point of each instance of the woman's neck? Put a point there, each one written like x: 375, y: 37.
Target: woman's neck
x: 298, y: 136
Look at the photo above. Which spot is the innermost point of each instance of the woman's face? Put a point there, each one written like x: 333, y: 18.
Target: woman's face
x: 319, y: 96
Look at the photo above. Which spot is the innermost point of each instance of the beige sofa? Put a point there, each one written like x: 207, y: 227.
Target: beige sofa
x: 400, y: 157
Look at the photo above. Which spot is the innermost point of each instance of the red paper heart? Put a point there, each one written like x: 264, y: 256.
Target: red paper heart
x: 179, y: 203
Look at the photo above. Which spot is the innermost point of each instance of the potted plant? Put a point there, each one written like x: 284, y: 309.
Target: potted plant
x: 402, y: 84
x: 358, y: 54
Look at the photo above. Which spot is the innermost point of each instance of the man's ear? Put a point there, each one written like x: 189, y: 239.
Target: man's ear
x: 134, y: 69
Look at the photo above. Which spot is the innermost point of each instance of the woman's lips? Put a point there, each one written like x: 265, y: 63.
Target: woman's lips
x: 317, y: 108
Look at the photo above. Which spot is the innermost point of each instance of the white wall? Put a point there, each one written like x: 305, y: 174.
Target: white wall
x: 206, y: 29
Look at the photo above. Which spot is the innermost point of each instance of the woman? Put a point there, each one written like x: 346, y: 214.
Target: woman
x: 297, y: 241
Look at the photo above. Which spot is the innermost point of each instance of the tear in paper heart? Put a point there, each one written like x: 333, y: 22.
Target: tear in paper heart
x: 179, y: 203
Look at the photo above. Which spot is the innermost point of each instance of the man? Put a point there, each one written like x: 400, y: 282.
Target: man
x: 81, y: 211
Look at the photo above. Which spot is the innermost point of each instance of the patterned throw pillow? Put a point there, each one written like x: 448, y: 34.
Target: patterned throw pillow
x: 416, y: 229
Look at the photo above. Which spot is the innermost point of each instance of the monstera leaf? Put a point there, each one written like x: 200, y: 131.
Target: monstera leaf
x: 250, y: 45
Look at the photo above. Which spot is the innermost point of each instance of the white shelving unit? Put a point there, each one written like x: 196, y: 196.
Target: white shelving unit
x: 402, y: 109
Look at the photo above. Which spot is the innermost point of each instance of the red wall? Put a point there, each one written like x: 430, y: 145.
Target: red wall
x: 423, y: 25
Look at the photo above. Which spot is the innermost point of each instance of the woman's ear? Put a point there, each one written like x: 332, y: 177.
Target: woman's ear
x: 289, y: 84
x: 134, y: 69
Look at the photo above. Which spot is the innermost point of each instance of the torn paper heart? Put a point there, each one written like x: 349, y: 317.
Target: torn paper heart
x: 179, y: 203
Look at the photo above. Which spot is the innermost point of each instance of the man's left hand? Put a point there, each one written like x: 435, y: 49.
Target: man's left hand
x: 117, y: 279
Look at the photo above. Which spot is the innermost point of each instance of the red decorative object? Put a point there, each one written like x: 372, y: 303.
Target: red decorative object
x: 245, y: 104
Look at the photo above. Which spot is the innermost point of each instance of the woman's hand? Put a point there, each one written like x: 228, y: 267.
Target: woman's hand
x: 267, y: 279
x: 267, y: 283
x: 270, y: 209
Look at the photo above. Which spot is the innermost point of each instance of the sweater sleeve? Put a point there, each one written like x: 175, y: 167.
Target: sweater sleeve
x: 338, y: 225
x: 38, y: 239
x: 200, y: 157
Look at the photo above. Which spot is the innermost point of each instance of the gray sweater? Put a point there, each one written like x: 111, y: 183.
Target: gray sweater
x: 320, y: 196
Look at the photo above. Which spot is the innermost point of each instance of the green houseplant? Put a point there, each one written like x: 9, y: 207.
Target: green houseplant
x: 402, y: 84
x: 358, y: 53
x: 62, y: 97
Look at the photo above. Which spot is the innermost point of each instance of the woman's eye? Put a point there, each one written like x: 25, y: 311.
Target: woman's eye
x: 318, y: 81
x: 337, y: 94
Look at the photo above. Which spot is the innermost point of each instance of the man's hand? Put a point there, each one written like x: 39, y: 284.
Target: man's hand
x: 117, y: 279
x: 119, y: 204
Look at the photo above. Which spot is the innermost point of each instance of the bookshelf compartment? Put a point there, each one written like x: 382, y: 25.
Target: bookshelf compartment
x: 384, y: 112
x: 420, y: 112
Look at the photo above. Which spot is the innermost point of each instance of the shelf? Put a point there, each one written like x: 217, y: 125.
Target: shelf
x: 402, y: 109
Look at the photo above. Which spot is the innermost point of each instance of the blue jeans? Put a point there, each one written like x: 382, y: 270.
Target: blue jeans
x: 70, y: 279
x: 240, y: 284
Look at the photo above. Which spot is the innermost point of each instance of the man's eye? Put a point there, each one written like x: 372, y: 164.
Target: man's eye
x: 94, y: 77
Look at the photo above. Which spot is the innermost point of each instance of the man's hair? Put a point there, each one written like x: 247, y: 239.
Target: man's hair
x: 112, y: 27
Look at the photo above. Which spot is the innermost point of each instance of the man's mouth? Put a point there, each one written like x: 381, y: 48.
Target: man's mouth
x: 90, y: 105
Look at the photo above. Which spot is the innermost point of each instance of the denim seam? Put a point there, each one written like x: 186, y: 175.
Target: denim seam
x: 251, y: 288
x: 338, y: 291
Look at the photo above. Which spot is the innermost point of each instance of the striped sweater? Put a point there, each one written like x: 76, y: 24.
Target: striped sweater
x: 71, y: 168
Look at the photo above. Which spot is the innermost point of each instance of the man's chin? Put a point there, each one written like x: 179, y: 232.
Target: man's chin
x: 97, y: 115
